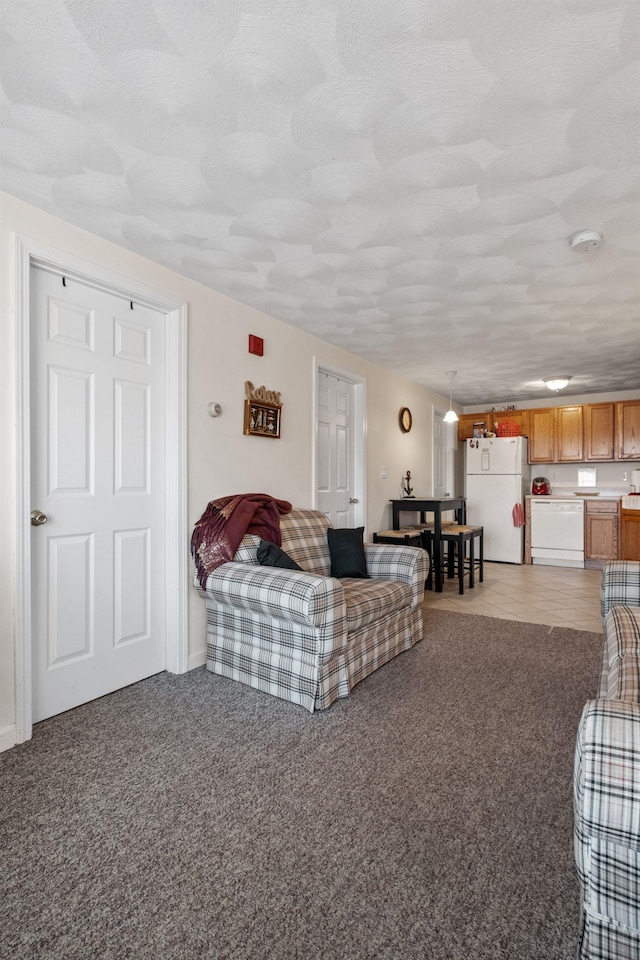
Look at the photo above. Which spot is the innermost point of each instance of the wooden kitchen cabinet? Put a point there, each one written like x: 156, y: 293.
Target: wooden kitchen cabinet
x: 521, y: 417
x: 572, y: 434
x: 542, y: 435
x: 599, y: 431
x: 491, y: 420
x: 628, y: 427
x: 601, y: 531
x: 569, y: 434
x: 466, y: 422
x: 555, y: 435
x: 630, y: 537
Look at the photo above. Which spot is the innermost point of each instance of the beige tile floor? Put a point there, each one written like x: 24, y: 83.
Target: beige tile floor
x: 559, y: 596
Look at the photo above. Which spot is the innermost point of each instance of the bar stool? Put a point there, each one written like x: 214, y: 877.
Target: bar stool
x: 403, y: 537
x: 426, y: 531
x: 406, y: 536
x: 457, y: 536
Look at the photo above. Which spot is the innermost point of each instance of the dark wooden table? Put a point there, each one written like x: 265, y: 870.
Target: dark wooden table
x: 436, y: 506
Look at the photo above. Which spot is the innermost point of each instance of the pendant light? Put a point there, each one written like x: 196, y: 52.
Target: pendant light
x: 450, y: 416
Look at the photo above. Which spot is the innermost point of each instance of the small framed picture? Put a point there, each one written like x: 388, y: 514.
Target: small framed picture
x: 261, y: 419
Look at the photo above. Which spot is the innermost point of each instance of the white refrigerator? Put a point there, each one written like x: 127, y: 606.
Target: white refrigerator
x: 496, y: 476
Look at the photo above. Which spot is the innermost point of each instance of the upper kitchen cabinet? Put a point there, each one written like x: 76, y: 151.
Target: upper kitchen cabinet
x: 628, y: 429
x: 599, y: 431
x: 573, y: 434
x: 466, y: 423
x: 491, y: 420
x: 542, y: 435
x: 519, y: 417
x: 555, y: 435
x: 569, y: 434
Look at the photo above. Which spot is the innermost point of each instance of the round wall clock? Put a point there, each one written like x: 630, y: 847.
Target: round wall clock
x: 405, y: 419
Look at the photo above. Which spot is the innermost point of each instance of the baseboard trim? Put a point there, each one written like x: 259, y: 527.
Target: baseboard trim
x: 8, y: 737
x: 197, y: 659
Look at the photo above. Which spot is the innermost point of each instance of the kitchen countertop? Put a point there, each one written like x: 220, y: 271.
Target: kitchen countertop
x: 569, y: 494
x: 627, y: 501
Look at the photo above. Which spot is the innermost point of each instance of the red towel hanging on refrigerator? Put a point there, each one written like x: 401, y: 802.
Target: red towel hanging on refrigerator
x: 518, y: 515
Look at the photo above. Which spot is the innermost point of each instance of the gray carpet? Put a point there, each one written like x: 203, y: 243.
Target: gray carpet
x: 428, y: 816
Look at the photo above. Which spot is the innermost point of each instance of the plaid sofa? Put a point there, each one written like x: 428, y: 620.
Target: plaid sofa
x: 607, y: 780
x: 306, y: 636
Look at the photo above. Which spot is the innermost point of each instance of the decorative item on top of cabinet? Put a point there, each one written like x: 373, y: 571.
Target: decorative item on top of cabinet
x: 628, y: 424
x: 599, y: 431
x: 601, y: 531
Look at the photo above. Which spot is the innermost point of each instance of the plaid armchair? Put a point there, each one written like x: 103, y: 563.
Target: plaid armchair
x: 306, y: 636
x: 607, y: 780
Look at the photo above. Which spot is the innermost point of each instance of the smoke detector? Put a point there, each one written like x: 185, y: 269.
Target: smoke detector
x: 585, y: 241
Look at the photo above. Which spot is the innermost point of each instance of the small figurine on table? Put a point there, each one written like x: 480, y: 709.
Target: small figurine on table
x: 407, y: 489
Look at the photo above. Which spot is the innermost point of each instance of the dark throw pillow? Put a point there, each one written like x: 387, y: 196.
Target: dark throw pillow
x: 347, y: 552
x: 271, y: 555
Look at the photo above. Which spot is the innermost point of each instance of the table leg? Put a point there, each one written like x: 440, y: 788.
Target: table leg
x: 437, y: 551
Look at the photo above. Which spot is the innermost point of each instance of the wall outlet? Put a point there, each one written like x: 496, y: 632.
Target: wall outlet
x: 625, y: 475
x: 383, y: 473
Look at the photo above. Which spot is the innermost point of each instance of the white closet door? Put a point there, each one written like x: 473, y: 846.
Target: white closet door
x: 98, y: 448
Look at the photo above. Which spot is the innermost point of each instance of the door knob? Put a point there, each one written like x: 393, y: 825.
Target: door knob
x: 38, y: 518
x: 353, y: 500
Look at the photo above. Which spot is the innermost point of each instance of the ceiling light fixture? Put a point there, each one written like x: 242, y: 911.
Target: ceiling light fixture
x: 450, y: 416
x: 585, y: 241
x: 556, y: 383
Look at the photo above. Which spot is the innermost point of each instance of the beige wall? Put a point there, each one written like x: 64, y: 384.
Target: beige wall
x: 221, y: 460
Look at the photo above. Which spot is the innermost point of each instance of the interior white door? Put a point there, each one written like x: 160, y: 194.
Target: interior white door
x: 335, y: 493
x: 97, y: 461
x: 440, y: 487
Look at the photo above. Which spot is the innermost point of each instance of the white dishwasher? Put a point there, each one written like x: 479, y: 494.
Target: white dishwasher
x: 557, y: 532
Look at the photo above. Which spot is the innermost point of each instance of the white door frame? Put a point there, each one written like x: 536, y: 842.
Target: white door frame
x: 359, y: 435
x: 31, y: 252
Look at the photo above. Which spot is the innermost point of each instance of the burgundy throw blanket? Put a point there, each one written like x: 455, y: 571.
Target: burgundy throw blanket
x: 217, y: 534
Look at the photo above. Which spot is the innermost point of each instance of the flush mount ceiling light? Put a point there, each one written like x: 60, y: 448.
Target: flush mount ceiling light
x: 556, y: 383
x: 585, y: 241
x: 450, y: 416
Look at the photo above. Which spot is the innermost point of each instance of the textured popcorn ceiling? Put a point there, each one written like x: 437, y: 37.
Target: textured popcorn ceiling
x: 397, y: 177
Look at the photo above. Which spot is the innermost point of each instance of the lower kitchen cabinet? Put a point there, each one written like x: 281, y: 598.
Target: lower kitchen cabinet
x: 601, y: 532
x: 630, y: 540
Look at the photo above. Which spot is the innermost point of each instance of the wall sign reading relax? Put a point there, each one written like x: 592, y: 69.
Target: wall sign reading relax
x: 261, y: 411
